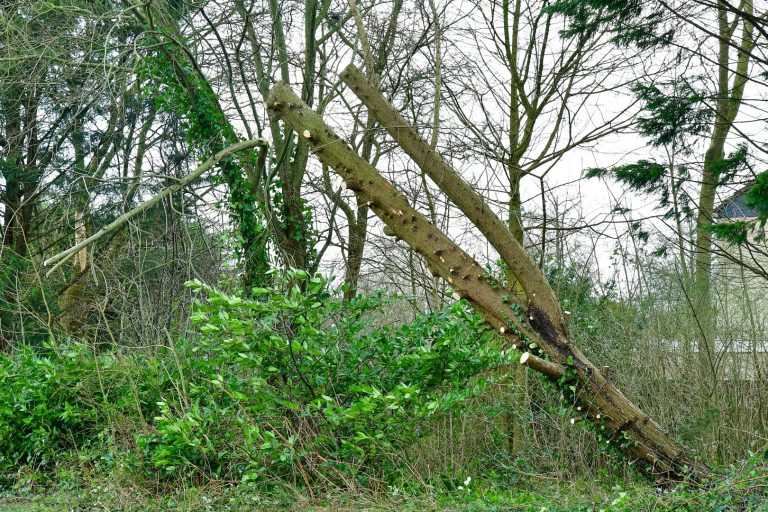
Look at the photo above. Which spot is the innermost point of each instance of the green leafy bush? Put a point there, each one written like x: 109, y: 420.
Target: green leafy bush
x: 62, y: 402
x: 50, y: 403
x: 300, y: 385
x: 293, y: 385
x: 40, y: 409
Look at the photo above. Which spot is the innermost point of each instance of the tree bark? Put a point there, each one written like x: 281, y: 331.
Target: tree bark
x: 729, y: 99
x: 516, y: 319
x: 518, y: 427
x: 507, y: 240
x: 13, y: 235
x: 461, y: 194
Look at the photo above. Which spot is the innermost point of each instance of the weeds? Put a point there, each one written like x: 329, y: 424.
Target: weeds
x: 299, y: 399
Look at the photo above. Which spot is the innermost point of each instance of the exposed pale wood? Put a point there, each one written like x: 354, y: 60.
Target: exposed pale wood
x: 548, y: 368
x: 80, y: 235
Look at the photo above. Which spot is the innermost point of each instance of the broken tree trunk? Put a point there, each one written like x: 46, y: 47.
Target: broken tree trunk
x: 58, y: 259
x: 502, y: 236
x: 513, y: 317
x: 460, y: 193
x: 552, y: 370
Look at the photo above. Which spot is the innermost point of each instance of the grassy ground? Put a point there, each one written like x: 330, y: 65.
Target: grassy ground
x: 539, y: 494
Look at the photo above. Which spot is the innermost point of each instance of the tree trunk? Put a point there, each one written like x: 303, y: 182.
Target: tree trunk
x: 461, y: 194
x: 727, y: 106
x: 517, y: 427
x: 357, y: 234
x: 516, y: 319
x: 502, y: 237
x: 71, y: 305
x: 243, y: 201
x: 13, y: 171
x: 358, y: 224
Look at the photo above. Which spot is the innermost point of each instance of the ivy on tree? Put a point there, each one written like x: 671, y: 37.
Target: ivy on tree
x: 196, y: 104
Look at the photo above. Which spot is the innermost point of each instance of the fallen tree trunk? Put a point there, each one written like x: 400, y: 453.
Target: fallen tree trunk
x: 515, y: 318
x: 58, y: 259
x: 461, y: 193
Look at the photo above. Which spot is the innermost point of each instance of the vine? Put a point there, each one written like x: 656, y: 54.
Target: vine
x: 575, y: 400
x: 179, y: 89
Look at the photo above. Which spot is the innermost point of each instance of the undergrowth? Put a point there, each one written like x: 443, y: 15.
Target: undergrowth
x: 289, y: 399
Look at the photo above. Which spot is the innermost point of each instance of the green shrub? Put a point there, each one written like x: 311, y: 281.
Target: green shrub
x: 42, y: 403
x: 293, y: 385
x: 66, y: 399
x: 300, y: 385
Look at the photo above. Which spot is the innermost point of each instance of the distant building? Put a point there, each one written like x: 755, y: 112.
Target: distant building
x: 741, y: 289
x: 735, y: 207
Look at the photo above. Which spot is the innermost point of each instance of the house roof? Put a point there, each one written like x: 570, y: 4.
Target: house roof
x: 734, y: 207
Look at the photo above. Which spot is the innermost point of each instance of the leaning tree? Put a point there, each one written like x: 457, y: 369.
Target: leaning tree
x: 529, y: 319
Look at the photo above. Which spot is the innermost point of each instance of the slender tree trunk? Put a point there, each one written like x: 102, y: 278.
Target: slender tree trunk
x: 726, y: 109
x: 358, y: 224
x: 71, y: 300
x: 12, y: 235
x: 356, y: 238
x: 521, y: 407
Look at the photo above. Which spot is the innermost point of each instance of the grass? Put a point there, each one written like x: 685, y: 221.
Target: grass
x: 538, y: 494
